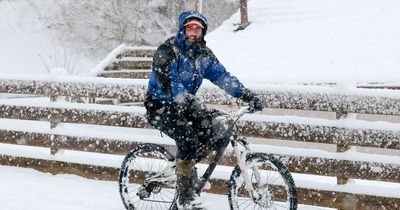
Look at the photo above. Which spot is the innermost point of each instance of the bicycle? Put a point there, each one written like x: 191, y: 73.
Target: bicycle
x: 147, y: 177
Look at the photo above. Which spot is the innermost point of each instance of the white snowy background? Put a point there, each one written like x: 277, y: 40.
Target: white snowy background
x: 288, y: 41
x: 292, y: 41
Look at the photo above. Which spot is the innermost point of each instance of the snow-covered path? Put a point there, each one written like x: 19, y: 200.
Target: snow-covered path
x: 23, y: 189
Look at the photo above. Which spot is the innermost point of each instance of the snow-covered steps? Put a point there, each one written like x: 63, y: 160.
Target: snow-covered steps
x: 126, y: 62
x: 138, y: 51
x: 126, y: 73
x: 129, y: 63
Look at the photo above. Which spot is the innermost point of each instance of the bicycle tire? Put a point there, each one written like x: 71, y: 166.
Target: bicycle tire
x: 141, y: 162
x: 279, y: 193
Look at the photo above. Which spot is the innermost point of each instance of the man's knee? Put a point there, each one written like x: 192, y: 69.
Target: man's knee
x: 184, y: 168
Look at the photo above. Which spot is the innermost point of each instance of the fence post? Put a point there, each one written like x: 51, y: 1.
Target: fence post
x: 54, y: 120
x: 341, y: 147
x: 91, y: 100
x: 53, y: 148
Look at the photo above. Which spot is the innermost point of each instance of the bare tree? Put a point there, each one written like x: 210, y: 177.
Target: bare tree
x: 106, y: 24
x: 98, y: 26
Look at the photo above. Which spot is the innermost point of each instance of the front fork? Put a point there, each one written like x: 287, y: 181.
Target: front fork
x: 246, y: 174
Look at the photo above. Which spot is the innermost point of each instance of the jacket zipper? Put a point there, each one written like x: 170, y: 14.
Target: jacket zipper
x: 196, y: 73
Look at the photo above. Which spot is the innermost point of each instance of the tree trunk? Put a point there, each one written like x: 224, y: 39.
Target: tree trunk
x: 244, y: 19
x: 199, y: 6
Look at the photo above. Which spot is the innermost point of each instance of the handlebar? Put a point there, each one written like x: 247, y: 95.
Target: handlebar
x: 239, y: 113
x: 234, y: 117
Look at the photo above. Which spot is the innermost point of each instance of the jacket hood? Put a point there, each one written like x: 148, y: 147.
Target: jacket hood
x: 185, y: 16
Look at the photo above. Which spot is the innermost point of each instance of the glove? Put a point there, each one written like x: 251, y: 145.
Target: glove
x: 253, y: 100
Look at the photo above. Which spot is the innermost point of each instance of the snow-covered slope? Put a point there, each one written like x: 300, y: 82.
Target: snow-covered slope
x: 313, y: 41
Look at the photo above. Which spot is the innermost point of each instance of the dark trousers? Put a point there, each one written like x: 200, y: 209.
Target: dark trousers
x: 194, y: 134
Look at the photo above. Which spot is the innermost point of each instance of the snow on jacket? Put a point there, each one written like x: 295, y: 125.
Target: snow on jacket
x: 179, y: 68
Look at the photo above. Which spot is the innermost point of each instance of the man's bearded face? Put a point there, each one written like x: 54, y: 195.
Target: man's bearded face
x: 193, y: 33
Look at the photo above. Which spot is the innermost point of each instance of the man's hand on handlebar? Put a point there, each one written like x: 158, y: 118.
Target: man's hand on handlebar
x: 253, y: 100
x: 255, y: 104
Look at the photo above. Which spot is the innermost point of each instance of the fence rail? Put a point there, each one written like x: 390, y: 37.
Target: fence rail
x: 342, y: 132
x: 385, y: 102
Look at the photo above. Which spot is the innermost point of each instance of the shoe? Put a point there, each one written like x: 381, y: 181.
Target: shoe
x: 196, y: 204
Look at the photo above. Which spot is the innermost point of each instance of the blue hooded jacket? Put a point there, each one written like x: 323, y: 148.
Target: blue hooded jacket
x: 179, y: 68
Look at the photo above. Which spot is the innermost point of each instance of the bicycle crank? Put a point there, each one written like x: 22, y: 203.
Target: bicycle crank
x: 146, y: 190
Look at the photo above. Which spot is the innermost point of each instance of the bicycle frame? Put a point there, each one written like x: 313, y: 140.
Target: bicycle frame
x: 266, y: 179
x: 163, y: 177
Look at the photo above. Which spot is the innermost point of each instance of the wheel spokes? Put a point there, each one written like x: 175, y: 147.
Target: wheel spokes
x: 149, y: 173
x: 270, y: 187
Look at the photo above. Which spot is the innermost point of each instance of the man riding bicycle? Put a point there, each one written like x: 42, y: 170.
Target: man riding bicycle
x: 179, y: 66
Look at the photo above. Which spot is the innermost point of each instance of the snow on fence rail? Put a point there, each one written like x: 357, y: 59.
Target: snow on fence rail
x: 312, y: 98
x: 341, y: 132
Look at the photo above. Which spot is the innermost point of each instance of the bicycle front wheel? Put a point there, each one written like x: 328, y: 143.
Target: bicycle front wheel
x: 273, y: 186
x: 147, y: 178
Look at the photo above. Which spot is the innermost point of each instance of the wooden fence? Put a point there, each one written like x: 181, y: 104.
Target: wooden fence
x: 340, y: 132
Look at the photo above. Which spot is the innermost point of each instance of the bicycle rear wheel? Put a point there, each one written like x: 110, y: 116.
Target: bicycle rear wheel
x: 147, y: 178
x: 273, y: 185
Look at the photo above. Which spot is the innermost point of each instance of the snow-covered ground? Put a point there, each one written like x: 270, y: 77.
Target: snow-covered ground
x: 23, y: 189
